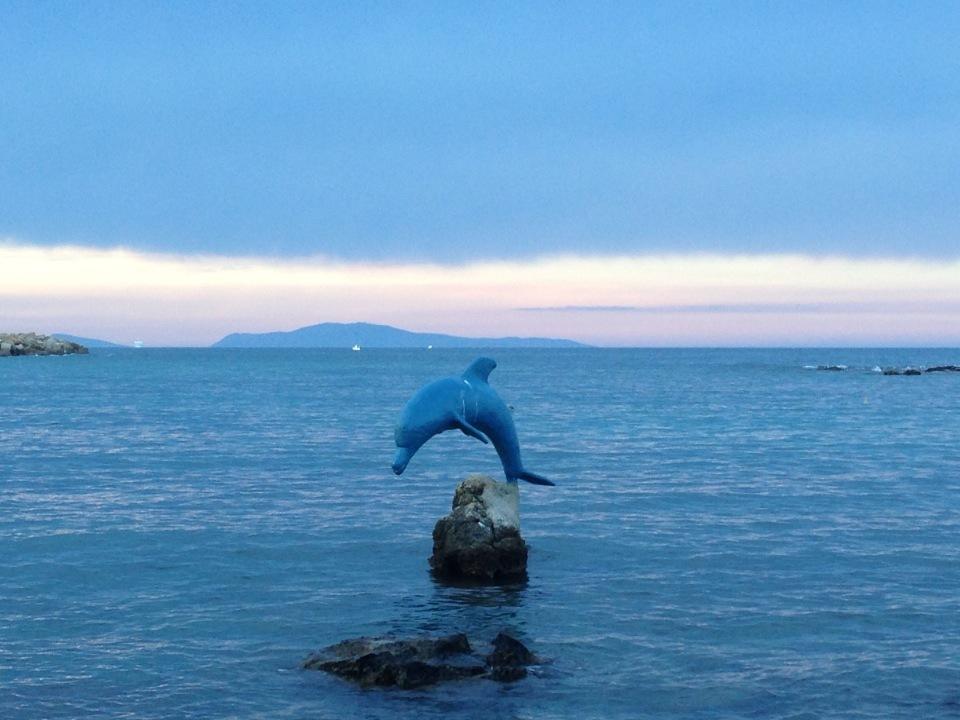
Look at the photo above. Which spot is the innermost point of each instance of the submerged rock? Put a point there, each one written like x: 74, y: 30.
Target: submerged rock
x: 33, y: 344
x: 834, y: 368
x: 480, y: 538
x: 509, y: 659
x: 419, y: 662
x: 944, y: 368
x: 403, y: 663
x: 902, y: 371
x: 919, y: 371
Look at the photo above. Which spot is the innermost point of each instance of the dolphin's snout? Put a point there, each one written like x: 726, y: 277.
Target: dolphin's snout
x: 400, y: 460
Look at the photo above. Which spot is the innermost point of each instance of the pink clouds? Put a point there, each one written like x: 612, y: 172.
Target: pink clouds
x: 644, y: 300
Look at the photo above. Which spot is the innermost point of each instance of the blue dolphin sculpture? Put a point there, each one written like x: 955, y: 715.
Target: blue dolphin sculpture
x: 466, y: 403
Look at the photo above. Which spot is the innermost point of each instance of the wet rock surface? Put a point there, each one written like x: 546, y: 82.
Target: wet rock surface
x: 944, y: 368
x: 12, y: 344
x: 509, y: 659
x: 903, y: 371
x: 420, y: 662
x: 890, y: 370
x: 480, y: 539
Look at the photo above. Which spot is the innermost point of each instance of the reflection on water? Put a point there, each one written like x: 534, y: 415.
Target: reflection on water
x: 482, y: 612
x: 479, y: 611
x: 478, y: 593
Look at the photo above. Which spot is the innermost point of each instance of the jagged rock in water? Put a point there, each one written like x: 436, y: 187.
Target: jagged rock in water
x: 34, y: 344
x: 480, y: 538
x: 403, y: 663
x: 509, y: 659
x: 834, y: 368
x: 418, y: 662
x: 902, y: 371
x: 944, y: 368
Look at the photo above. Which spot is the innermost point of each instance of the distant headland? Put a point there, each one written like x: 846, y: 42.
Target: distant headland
x: 345, y: 335
x: 87, y: 341
x: 34, y: 344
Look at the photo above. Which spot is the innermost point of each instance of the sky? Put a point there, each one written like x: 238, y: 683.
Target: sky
x: 667, y: 173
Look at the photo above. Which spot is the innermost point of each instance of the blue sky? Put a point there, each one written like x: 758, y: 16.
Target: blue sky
x: 454, y: 131
x: 723, y: 173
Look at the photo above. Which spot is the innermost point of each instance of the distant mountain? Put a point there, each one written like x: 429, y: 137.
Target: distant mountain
x: 88, y: 342
x: 345, y: 335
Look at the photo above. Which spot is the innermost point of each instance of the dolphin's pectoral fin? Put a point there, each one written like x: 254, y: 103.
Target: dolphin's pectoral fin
x: 468, y: 429
x: 534, y: 478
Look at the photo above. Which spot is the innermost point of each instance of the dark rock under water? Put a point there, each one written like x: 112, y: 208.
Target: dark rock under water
x: 944, y: 368
x: 420, y: 662
x: 902, y: 371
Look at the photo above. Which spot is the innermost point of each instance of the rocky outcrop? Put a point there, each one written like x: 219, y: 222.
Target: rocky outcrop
x: 909, y: 370
x: 33, y: 344
x: 509, y: 659
x: 480, y: 538
x: 944, y: 368
x: 902, y: 371
x: 892, y: 370
x: 404, y: 663
x: 419, y: 662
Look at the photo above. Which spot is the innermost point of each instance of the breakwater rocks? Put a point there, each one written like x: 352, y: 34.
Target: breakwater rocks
x: 480, y: 539
x: 420, y: 662
x: 34, y: 344
x: 909, y: 370
x: 902, y: 371
x: 906, y: 370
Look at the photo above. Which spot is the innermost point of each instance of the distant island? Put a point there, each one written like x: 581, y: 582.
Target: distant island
x: 345, y: 335
x: 88, y: 342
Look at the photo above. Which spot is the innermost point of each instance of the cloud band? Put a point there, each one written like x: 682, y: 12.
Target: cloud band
x: 620, y: 300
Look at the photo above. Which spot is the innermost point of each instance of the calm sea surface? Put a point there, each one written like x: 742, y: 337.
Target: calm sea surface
x: 731, y: 535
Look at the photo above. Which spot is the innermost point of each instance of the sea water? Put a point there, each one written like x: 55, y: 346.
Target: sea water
x: 731, y: 535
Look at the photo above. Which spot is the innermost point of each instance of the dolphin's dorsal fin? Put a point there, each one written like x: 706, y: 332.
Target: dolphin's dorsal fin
x: 480, y: 369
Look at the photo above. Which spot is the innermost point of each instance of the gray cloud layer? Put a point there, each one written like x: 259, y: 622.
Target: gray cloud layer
x: 825, y: 308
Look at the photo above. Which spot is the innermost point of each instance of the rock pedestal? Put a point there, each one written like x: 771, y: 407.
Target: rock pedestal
x: 480, y: 538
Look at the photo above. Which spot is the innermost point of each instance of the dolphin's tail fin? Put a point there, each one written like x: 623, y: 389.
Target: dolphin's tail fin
x: 534, y: 478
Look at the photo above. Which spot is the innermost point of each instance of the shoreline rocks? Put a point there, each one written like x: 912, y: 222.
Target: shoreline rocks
x: 480, y: 539
x: 420, y: 662
x: 14, y: 344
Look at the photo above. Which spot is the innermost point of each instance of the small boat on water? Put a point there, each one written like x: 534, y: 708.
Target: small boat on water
x: 138, y: 343
x: 356, y: 348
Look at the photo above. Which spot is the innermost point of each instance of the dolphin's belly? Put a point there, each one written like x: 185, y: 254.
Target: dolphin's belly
x: 493, y: 418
